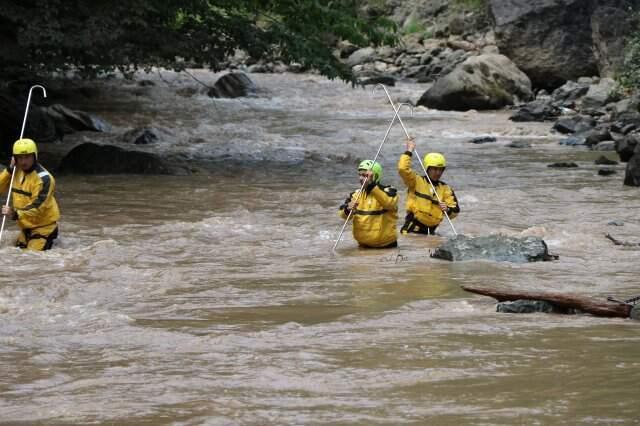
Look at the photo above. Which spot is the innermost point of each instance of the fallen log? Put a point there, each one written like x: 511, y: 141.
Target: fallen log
x: 584, y: 304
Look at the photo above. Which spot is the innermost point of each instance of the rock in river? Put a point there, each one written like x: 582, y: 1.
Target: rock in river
x: 494, y: 247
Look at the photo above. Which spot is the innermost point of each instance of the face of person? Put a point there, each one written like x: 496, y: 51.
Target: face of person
x: 362, y: 176
x: 25, y: 161
x: 435, y: 173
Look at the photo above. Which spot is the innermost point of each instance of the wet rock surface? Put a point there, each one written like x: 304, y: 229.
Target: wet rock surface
x: 494, y: 247
x: 90, y: 158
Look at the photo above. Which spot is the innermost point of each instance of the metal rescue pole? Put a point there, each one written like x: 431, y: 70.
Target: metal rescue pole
x: 419, y: 160
x: 386, y: 135
x: 13, y: 173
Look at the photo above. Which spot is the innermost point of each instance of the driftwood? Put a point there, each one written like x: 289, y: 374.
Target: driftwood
x: 621, y: 243
x: 584, y: 304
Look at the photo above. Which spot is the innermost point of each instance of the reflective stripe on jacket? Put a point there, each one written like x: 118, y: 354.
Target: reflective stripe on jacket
x: 32, y: 196
x: 375, y: 218
x: 421, y: 200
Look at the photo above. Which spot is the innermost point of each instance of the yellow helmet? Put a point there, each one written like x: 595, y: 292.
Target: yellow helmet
x: 434, y: 159
x: 25, y: 146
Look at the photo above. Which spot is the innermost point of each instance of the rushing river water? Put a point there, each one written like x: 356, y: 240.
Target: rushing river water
x: 215, y: 299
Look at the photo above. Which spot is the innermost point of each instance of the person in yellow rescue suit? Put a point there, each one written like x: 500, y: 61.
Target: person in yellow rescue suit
x: 375, y: 211
x: 33, y: 205
x: 424, y: 211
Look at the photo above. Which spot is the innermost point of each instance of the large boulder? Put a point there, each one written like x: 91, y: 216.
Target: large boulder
x: 69, y: 121
x: 628, y: 146
x: 90, y: 158
x: 600, y: 94
x: 558, y: 40
x: 39, y: 125
x: 482, y: 82
x: 494, y: 247
x: 632, y: 172
x: 550, y: 40
x: 233, y: 85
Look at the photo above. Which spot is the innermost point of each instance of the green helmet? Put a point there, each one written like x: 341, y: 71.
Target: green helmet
x: 375, y: 167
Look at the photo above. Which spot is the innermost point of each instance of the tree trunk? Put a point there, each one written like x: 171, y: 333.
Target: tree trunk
x: 591, y: 306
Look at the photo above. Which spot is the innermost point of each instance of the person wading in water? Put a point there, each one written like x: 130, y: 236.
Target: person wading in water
x: 374, y: 211
x: 424, y: 211
x: 33, y: 205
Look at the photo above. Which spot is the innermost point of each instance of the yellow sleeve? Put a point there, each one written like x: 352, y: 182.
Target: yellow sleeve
x: 387, y: 197
x: 406, y: 173
x: 5, y: 178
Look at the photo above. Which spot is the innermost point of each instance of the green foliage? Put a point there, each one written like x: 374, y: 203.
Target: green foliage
x: 414, y: 26
x: 103, y: 35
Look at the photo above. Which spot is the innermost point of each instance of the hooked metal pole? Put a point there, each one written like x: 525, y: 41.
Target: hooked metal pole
x: 13, y: 173
x: 419, y: 160
x: 386, y: 135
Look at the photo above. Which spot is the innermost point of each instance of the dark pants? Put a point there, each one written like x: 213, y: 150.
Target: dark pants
x: 414, y: 226
x: 37, y: 239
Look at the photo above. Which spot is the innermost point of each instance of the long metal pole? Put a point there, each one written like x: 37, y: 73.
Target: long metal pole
x: 386, y: 135
x: 419, y: 160
x: 13, y: 173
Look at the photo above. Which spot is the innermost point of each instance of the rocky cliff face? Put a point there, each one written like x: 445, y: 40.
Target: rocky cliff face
x: 553, y: 41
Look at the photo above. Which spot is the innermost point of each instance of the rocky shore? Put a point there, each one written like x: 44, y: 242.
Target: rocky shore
x: 552, y: 60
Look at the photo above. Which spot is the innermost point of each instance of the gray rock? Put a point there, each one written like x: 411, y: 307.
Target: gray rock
x: 519, y: 144
x: 567, y: 94
x: 600, y: 94
x: 610, y: 26
x: 550, y: 40
x: 604, y: 146
x: 494, y: 247
x: 635, y: 312
x: 626, y: 147
x: 563, y: 165
x: 574, y: 141
x: 483, y: 139
x: 632, y: 172
x: 382, y: 79
x: 604, y: 161
x: 233, y: 85
x: 69, y: 121
x: 616, y: 223
x: 523, y: 306
x: 606, y: 172
x: 480, y: 82
x: 361, y: 56
x: 538, y: 110
x: 90, y: 158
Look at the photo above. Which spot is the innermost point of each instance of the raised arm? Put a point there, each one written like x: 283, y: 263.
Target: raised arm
x: 404, y: 166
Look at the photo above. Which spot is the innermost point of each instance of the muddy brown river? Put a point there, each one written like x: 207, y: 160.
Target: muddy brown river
x: 214, y: 298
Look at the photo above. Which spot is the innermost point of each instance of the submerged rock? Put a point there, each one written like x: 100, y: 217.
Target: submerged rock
x: 635, y: 312
x: 494, y: 247
x: 523, y: 306
x: 90, y: 158
x: 233, y: 85
x: 483, y: 139
x: 563, y: 165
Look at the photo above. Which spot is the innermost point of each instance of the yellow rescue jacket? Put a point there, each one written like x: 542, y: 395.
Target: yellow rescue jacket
x: 421, y: 200
x: 375, y: 217
x: 32, y: 196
